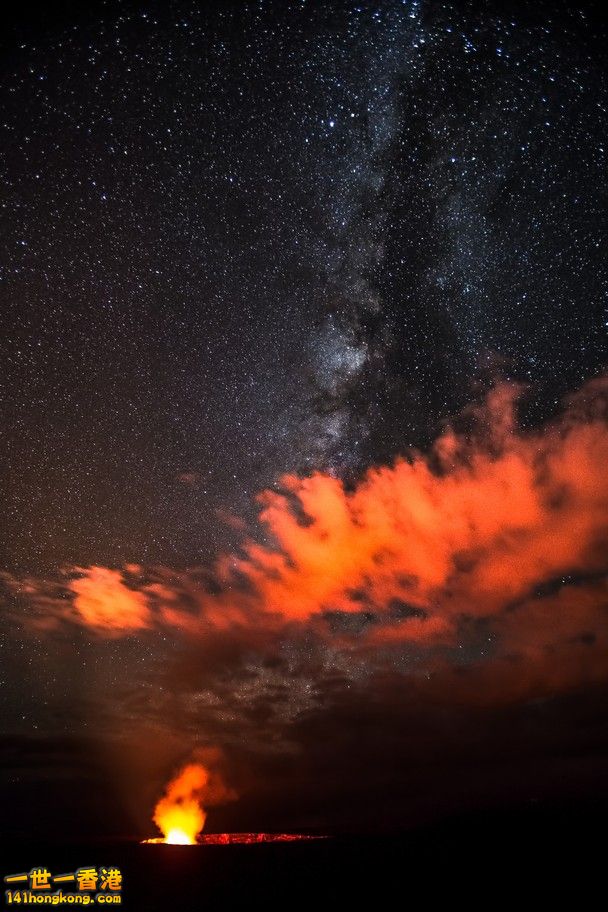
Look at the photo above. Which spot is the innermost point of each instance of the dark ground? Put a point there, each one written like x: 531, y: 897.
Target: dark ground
x: 483, y: 861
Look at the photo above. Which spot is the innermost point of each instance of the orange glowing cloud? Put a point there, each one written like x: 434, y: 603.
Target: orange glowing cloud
x: 106, y: 604
x: 466, y: 530
x: 470, y: 529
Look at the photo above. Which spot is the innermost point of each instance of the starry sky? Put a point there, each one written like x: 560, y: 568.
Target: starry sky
x: 257, y: 241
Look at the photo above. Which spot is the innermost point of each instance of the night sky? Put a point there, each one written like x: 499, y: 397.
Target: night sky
x: 353, y: 256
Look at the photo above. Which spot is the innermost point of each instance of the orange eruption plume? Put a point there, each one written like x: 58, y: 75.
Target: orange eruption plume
x: 180, y: 815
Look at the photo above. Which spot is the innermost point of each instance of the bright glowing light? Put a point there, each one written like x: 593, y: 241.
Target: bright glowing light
x: 178, y: 837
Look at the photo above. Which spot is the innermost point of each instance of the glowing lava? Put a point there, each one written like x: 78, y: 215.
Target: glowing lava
x: 241, y: 838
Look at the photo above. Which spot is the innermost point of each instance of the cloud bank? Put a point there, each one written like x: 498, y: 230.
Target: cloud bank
x: 496, y: 536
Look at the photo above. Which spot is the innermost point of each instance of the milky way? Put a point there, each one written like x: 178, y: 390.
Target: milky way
x: 260, y: 238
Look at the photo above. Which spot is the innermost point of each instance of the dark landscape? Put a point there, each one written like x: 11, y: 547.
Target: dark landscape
x: 516, y: 856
